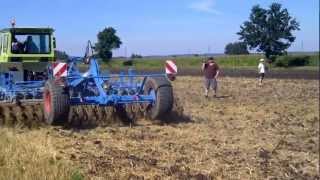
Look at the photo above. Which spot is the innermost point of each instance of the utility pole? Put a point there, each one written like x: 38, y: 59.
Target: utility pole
x: 125, y: 52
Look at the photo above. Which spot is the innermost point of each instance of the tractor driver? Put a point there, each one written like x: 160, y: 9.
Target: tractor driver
x: 30, y: 46
x: 16, y: 46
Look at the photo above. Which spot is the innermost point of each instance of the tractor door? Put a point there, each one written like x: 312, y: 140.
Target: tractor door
x: 4, y: 47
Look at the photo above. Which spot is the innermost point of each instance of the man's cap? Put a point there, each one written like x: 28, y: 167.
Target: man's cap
x: 261, y: 60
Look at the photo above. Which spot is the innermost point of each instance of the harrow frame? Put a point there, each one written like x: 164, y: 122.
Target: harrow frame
x: 20, y: 91
x: 107, y: 89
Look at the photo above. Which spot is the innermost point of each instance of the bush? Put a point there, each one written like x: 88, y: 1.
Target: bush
x: 236, y: 48
x: 128, y: 62
x: 136, y: 56
x: 291, y: 61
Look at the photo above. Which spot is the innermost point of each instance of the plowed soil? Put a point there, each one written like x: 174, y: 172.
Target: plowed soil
x: 247, y: 132
x: 248, y: 73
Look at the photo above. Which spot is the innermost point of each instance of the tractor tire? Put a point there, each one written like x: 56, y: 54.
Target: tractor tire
x: 163, y: 92
x: 56, y: 103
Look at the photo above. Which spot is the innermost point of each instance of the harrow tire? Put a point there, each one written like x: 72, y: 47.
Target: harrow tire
x: 164, y: 97
x: 56, y: 103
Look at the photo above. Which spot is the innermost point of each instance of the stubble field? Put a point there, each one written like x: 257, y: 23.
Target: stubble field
x: 248, y: 132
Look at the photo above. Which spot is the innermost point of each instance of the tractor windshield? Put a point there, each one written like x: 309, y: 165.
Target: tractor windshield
x: 31, y: 44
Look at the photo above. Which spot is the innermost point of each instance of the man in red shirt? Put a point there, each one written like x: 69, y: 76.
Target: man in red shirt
x: 211, y: 72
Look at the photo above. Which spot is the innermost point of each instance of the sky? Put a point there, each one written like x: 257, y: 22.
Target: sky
x: 154, y: 27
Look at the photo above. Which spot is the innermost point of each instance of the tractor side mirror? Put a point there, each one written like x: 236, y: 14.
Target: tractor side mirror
x: 54, y: 43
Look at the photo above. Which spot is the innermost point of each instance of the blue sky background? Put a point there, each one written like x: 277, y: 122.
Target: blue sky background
x: 153, y: 27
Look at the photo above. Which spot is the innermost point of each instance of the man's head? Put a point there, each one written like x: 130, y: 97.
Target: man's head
x: 262, y: 60
x: 211, y: 60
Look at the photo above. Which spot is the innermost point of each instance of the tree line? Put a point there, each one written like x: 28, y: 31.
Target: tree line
x: 268, y: 30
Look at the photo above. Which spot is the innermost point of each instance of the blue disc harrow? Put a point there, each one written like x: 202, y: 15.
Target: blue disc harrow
x: 68, y: 86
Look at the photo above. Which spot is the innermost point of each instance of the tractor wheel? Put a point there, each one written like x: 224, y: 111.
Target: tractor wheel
x: 56, y: 103
x: 161, y: 88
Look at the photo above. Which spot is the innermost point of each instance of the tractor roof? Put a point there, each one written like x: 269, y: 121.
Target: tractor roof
x: 28, y: 30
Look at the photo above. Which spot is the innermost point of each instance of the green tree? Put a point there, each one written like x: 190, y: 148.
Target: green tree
x: 269, y: 30
x: 136, y: 56
x: 61, y: 55
x: 107, y: 41
x: 236, y: 48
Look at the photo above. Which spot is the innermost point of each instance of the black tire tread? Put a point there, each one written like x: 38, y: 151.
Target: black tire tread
x: 60, y: 103
x: 164, y: 93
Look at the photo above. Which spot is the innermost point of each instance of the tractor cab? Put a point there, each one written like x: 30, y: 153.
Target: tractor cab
x: 26, y: 52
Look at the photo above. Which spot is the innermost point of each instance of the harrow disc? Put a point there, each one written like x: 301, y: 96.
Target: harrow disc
x: 22, y: 115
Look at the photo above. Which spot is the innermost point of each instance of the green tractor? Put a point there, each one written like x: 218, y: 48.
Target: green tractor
x: 26, y: 52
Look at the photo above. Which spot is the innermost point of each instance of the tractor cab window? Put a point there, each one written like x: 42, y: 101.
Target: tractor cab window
x: 5, y: 43
x: 30, y: 44
x: 0, y: 44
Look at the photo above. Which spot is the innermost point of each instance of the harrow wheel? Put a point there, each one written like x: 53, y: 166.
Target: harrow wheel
x: 161, y: 88
x: 56, y: 103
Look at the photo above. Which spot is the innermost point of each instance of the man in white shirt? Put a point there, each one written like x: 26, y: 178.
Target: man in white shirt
x: 262, y: 70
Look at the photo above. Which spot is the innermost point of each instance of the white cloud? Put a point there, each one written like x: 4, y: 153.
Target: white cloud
x: 207, y: 6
